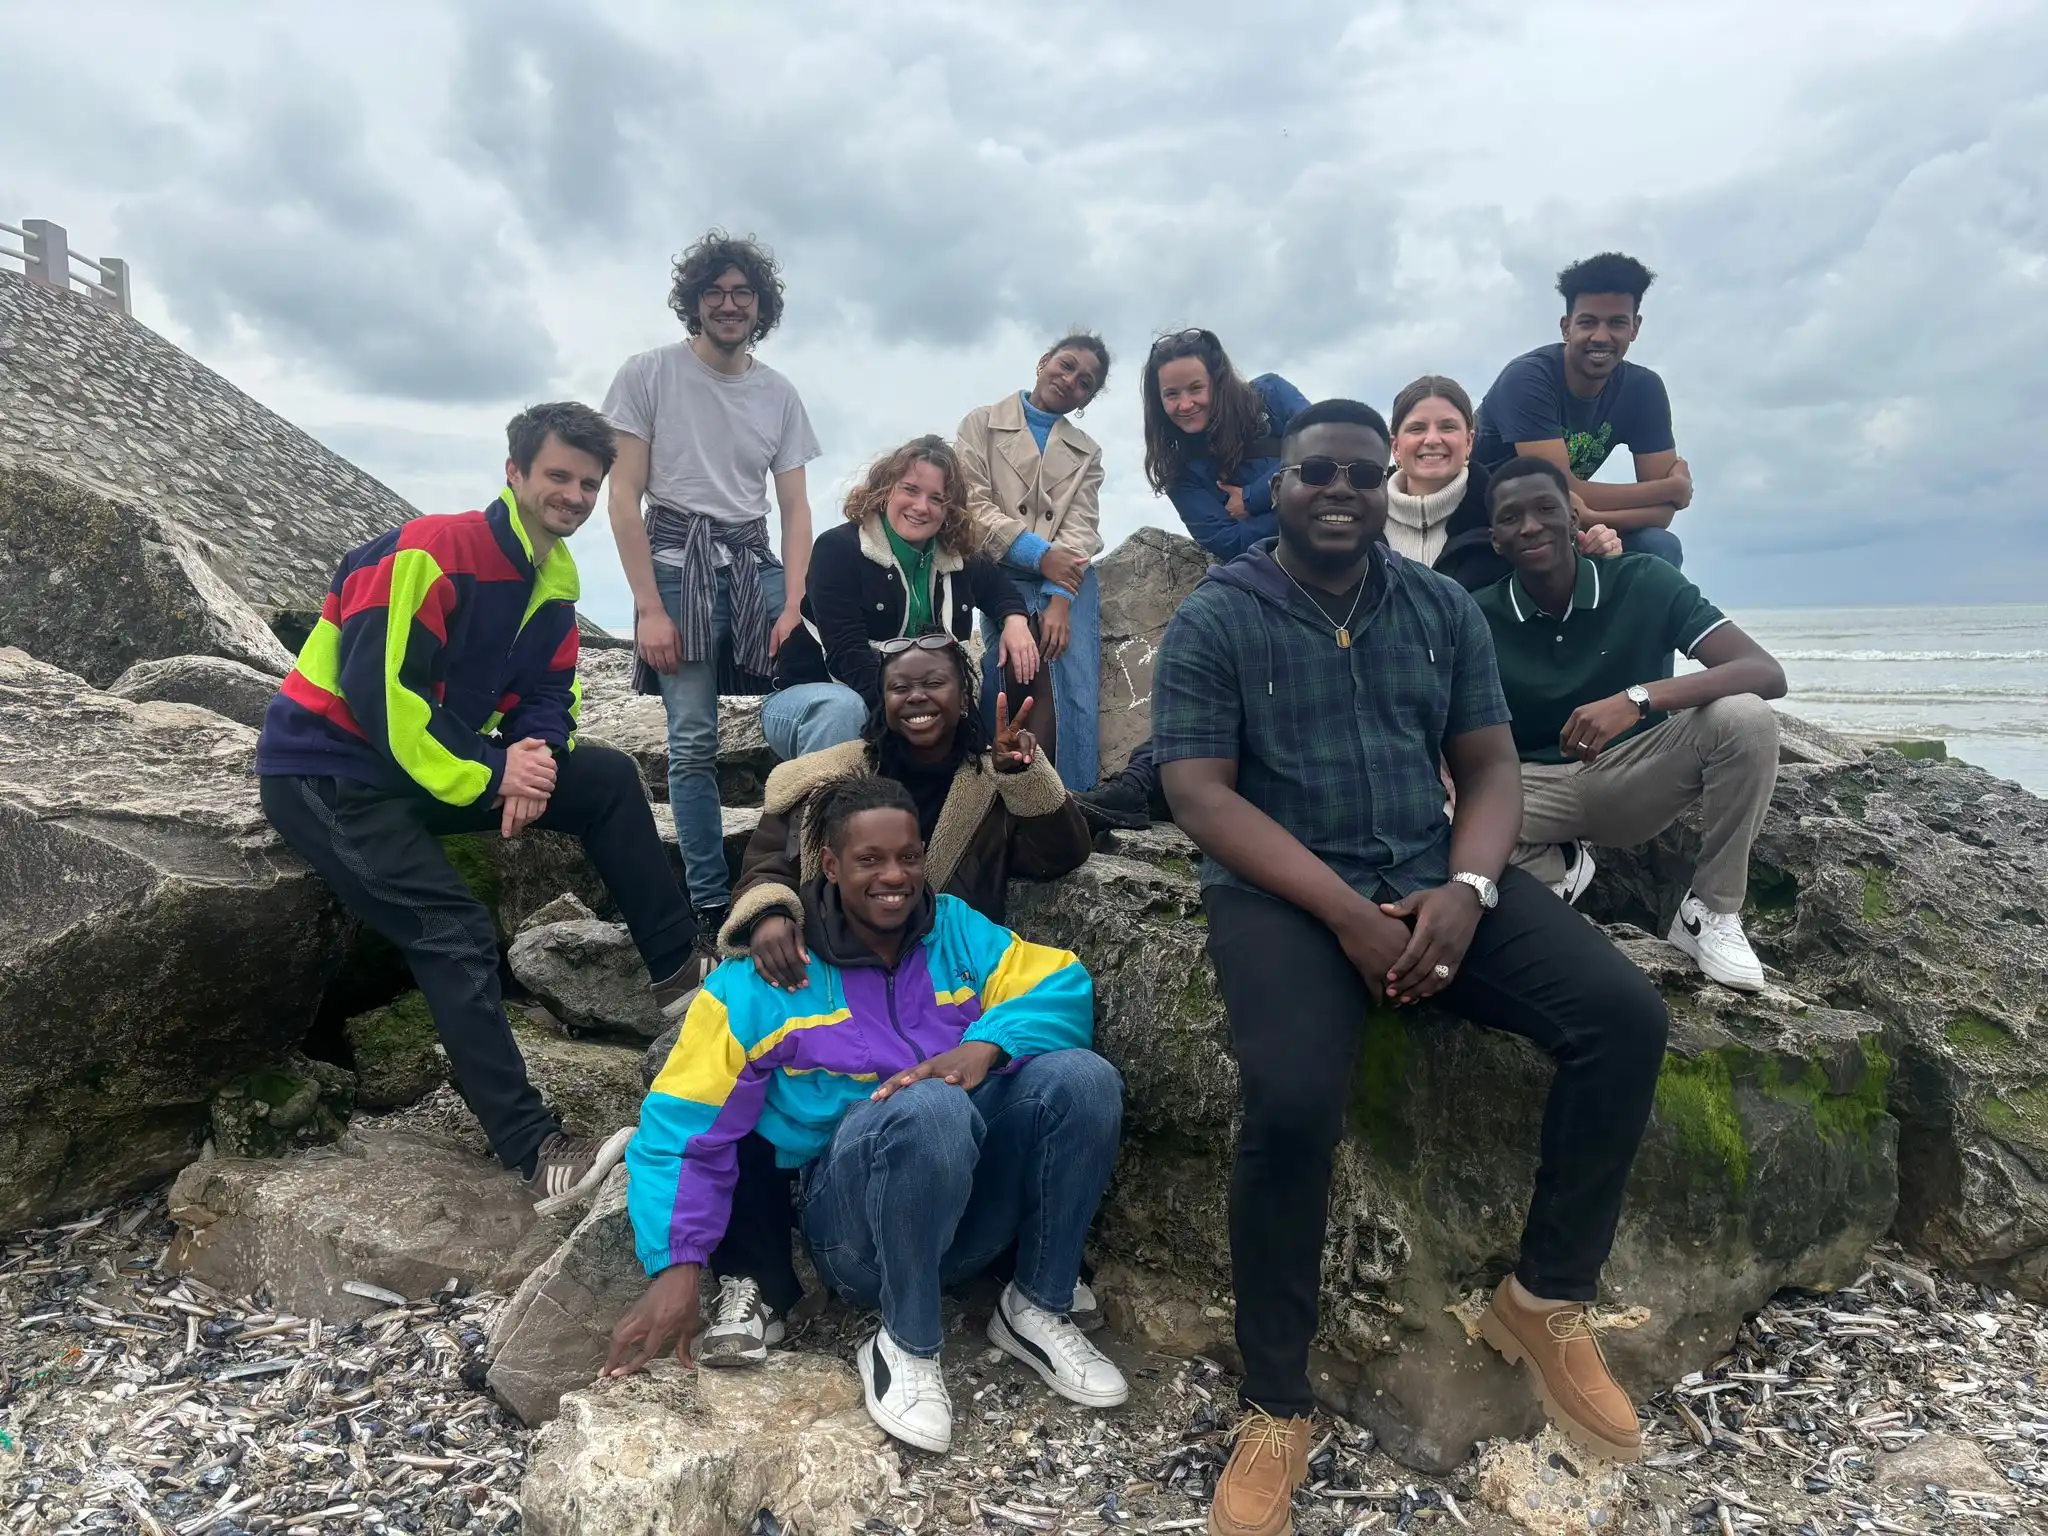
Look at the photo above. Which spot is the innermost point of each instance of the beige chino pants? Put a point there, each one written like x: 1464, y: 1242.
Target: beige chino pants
x: 1722, y: 756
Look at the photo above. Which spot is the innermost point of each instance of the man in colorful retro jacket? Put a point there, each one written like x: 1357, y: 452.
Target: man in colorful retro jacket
x: 932, y: 1080
x: 438, y: 695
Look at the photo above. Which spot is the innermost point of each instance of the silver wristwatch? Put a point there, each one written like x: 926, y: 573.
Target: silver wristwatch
x: 1639, y: 696
x: 1489, y: 893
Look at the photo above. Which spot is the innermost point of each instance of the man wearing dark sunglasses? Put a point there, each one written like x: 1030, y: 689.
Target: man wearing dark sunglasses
x: 1302, y: 701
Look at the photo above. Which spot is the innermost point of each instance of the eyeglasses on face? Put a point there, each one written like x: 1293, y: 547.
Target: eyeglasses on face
x: 1364, y: 474
x: 740, y: 297
x: 902, y: 643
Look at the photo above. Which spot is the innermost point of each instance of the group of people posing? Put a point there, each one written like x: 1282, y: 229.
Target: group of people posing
x: 1433, y: 663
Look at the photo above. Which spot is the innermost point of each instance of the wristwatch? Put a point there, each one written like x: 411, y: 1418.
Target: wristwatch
x: 1639, y: 696
x: 1489, y: 893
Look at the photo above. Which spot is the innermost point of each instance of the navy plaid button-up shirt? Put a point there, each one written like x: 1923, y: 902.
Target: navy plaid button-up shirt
x: 1340, y: 746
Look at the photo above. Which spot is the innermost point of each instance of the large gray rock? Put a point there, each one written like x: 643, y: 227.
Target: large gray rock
x: 1143, y: 581
x: 637, y: 725
x: 94, y: 580
x: 588, y: 974
x: 404, y: 1210
x: 157, y: 939
x: 1769, y: 1162
x: 553, y: 1334
x: 675, y: 1453
x: 230, y: 688
x: 264, y: 507
x: 1917, y: 891
x: 592, y: 1085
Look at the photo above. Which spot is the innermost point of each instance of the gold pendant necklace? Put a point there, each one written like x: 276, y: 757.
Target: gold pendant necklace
x: 1344, y: 629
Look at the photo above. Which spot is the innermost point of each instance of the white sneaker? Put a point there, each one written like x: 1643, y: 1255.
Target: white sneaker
x: 1578, y: 872
x: 1716, y: 941
x: 1057, y: 1350
x: 1084, y: 1311
x: 906, y: 1394
x: 742, y: 1325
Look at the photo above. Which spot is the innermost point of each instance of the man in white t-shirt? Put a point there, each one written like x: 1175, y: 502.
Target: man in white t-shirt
x: 703, y: 425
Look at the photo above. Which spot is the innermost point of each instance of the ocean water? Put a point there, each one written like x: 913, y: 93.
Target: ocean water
x: 1976, y: 677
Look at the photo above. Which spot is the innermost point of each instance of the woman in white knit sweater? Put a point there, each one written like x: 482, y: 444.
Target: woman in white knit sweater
x: 1436, y: 499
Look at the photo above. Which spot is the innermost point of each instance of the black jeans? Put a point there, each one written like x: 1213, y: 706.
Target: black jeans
x: 379, y: 852
x: 758, y: 1234
x: 1535, y: 968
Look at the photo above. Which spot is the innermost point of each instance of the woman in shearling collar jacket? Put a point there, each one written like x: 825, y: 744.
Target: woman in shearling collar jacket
x: 989, y: 811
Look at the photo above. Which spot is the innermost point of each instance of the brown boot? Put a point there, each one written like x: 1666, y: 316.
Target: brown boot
x: 1555, y: 1340
x: 1255, y: 1494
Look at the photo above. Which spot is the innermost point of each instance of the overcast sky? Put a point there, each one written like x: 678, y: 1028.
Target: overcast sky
x: 396, y: 223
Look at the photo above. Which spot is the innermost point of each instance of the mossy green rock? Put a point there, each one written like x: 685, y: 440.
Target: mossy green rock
x: 299, y: 1102
x: 398, y: 1058
x: 1918, y: 893
x: 1770, y: 1161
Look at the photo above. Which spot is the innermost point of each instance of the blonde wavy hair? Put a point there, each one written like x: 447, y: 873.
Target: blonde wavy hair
x: 871, y: 496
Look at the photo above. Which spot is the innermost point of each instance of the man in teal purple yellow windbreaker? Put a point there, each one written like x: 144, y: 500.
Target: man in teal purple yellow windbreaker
x: 437, y: 695
x: 932, y: 1080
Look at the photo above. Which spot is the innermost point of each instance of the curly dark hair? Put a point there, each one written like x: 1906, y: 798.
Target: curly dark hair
x: 1237, y: 413
x: 871, y: 496
x: 837, y: 804
x: 1609, y: 272
x: 573, y: 422
x: 971, y: 737
x: 708, y: 260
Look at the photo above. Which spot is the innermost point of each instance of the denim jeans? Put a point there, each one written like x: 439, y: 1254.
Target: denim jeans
x: 928, y: 1186
x: 1661, y: 542
x: 1076, y: 677
x: 809, y: 717
x: 690, y: 695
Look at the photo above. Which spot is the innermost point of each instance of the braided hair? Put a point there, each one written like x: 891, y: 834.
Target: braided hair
x: 837, y: 804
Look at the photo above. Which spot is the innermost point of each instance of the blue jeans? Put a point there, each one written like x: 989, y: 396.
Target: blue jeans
x: 928, y: 1186
x: 1661, y: 542
x: 1076, y: 677
x: 690, y: 695
x: 809, y: 717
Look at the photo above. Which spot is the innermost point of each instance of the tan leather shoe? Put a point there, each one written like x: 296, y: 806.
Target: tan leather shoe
x: 1255, y: 1494
x: 1555, y: 1340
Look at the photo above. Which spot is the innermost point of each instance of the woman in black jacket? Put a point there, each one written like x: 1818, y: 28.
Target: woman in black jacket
x: 906, y: 560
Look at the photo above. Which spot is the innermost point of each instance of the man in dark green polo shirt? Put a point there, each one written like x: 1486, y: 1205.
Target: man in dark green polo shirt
x: 1613, y: 748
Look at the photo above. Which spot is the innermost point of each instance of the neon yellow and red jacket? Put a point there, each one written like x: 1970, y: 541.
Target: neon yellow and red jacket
x: 433, y: 638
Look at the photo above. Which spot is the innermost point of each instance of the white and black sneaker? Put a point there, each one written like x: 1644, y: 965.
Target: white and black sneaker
x: 1578, y: 871
x: 1057, y: 1350
x: 743, y: 1325
x: 1717, y: 942
x: 906, y: 1393
x: 1085, y: 1311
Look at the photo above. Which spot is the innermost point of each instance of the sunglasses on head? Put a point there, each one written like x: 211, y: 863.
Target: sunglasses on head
x: 1182, y: 338
x: 904, y: 643
x: 1364, y: 474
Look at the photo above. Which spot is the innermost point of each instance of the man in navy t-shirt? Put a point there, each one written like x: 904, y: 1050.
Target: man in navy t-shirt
x: 1575, y: 402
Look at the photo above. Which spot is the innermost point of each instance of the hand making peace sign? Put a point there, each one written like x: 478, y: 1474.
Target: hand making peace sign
x: 1015, y: 747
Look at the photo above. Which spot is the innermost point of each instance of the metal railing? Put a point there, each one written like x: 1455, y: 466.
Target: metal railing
x: 46, y: 257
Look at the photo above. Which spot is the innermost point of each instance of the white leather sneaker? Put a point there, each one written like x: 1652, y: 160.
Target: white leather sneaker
x: 1057, y: 1350
x: 1085, y: 1311
x: 906, y: 1394
x: 1578, y: 871
x: 1717, y: 942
